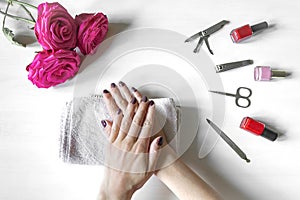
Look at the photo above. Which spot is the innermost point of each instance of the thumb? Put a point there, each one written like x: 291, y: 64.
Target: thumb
x: 154, y: 152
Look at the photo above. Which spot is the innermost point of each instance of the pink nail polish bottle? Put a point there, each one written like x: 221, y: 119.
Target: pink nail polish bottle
x: 246, y: 31
x: 265, y: 73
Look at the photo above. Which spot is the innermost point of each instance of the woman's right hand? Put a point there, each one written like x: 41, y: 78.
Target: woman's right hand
x: 119, y: 97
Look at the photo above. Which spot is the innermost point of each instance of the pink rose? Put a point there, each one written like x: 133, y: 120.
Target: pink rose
x: 51, y: 68
x: 92, y: 30
x: 55, y: 28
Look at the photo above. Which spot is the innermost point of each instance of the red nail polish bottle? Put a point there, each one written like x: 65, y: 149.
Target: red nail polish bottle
x: 258, y: 128
x: 244, y: 32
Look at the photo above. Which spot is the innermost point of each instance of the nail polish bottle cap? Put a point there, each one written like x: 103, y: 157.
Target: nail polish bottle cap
x: 259, y: 27
x: 269, y: 134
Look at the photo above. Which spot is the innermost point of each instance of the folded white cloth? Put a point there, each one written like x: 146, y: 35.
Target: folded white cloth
x: 82, y: 139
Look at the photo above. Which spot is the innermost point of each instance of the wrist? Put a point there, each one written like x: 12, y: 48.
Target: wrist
x: 113, y: 195
x: 110, y: 189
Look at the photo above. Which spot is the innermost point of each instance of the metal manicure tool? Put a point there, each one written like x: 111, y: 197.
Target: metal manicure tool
x: 204, y: 35
x: 242, y: 96
x: 228, y: 140
x: 232, y: 65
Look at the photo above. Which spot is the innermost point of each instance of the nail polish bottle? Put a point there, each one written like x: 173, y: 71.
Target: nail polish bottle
x: 246, y: 31
x: 258, y: 128
x: 265, y: 73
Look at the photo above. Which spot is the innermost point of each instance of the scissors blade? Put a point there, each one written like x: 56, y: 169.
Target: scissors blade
x: 215, y: 27
x: 228, y: 140
x: 223, y: 93
x: 193, y: 37
x: 207, y: 44
x: 197, y: 49
x: 208, y: 31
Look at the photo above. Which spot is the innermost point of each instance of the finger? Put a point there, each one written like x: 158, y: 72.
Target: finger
x: 138, y: 119
x: 110, y: 103
x: 116, y: 126
x: 120, y: 101
x: 127, y: 119
x: 107, y: 127
x: 125, y: 91
x: 137, y: 94
x: 155, y: 145
x: 147, y: 126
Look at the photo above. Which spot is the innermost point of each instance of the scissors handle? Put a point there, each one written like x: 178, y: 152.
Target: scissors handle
x: 237, y: 102
x: 238, y: 92
x: 245, y: 98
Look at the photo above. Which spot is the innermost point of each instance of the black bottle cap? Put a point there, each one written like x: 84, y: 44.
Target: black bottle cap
x: 269, y: 134
x: 260, y: 26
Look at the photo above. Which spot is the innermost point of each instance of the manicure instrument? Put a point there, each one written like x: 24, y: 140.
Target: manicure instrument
x: 228, y: 140
x: 232, y: 65
x: 238, y: 96
x: 204, y: 35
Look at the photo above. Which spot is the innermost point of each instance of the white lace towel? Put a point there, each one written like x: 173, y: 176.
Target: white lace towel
x: 82, y: 138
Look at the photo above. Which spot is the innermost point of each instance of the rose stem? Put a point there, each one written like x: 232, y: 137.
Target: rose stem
x: 28, y: 12
x: 5, y: 14
x: 22, y: 3
x: 17, y: 18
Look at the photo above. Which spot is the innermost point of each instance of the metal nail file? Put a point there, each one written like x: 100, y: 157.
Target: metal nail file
x: 228, y: 141
x: 232, y: 65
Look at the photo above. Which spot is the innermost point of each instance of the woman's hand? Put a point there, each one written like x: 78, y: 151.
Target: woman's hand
x: 119, y: 97
x: 131, y: 155
x: 178, y: 177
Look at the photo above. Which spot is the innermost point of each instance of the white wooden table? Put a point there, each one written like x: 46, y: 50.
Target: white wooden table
x: 29, y: 117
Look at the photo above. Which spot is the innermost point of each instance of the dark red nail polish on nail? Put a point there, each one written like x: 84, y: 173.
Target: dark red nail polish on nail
x: 105, y: 91
x: 103, y: 122
x: 144, y: 99
x: 119, y: 111
x: 246, y: 31
x: 160, y: 141
x: 133, y: 89
x: 121, y: 83
x: 133, y: 100
x: 258, y: 128
x: 113, y: 85
x: 151, y: 103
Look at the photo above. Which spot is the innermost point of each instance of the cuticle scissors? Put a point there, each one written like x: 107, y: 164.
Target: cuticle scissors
x: 238, y: 96
x: 204, y: 35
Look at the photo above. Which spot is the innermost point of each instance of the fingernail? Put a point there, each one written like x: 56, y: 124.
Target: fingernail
x: 103, y: 122
x: 105, y: 91
x: 144, y: 99
x: 113, y: 85
x: 133, y: 100
x: 119, y: 111
x: 133, y: 89
x: 151, y: 103
x: 121, y: 83
x: 160, y: 141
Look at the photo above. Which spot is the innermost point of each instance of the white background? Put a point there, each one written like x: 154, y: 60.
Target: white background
x: 29, y: 117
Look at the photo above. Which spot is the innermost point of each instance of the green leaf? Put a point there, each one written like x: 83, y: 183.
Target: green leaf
x: 11, y: 37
